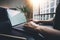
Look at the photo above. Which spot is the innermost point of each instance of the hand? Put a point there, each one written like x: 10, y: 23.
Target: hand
x: 34, y: 26
x: 31, y: 24
x: 35, y: 21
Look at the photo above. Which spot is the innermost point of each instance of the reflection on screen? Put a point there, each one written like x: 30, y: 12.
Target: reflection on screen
x: 16, y: 17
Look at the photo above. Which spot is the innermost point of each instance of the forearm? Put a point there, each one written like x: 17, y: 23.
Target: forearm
x: 45, y: 29
x: 43, y: 22
x: 37, y: 21
x: 49, y: 30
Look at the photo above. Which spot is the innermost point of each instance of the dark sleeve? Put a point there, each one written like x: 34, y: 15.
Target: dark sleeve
x: 57, y: 18
x: 3, y: 14
x: 5, y: 24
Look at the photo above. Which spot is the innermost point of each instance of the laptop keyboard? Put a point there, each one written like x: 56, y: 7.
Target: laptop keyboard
x: 19, y: 27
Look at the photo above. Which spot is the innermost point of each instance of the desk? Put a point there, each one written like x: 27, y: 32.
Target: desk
x: 26, y: 34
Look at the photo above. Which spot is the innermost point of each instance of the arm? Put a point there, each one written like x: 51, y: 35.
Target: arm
x: 48, y: 30
x: 43, y: 21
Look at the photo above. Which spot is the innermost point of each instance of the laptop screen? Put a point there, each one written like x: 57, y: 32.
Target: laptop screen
x: 16, y: 17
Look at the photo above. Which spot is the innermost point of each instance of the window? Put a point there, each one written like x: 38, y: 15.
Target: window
x: 44, y: 11
x: 47, y: 10
x: 43, y: 17
x: 51, y: 15
x: 41, y: 11
x: 52, y: 10
x: 47, y: 17
x: 47, y: 5
x: 52, y: 0
x: 52, y: 4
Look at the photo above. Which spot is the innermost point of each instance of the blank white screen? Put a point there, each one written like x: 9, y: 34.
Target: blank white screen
x: 16, y: 17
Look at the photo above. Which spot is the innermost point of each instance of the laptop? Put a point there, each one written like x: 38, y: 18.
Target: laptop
x: 17, y: 19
